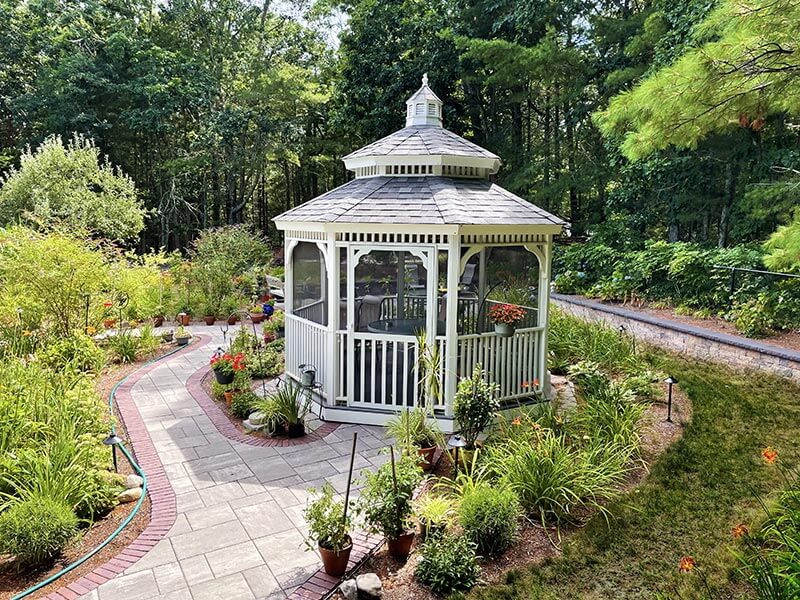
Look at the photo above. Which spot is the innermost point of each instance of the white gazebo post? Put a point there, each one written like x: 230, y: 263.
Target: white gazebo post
x: 419, y: 193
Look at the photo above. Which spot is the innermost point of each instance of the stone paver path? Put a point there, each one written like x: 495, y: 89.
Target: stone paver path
x: 239, y: 530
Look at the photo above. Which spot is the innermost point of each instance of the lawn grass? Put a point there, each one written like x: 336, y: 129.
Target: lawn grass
x: 694, y: 495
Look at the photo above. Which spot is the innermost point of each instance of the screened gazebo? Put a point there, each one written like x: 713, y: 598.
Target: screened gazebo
x: 419, y: 240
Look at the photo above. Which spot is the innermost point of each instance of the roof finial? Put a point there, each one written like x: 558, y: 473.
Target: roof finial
x: 424, y: 79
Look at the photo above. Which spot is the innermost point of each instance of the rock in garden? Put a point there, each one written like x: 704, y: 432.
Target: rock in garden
x: 369, y: 586
x: 349, y: 589
x: 133, y: 481
x: 257, y: 418
x: 130, y: 495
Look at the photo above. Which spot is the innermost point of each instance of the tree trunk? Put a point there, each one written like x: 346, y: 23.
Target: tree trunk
x: 731, y: 174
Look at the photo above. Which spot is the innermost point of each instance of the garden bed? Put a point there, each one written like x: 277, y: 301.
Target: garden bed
x: 534, y: 544
x: 13, y: 582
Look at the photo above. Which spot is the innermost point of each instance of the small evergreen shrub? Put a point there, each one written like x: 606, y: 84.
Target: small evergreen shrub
x: 36, y: 530
x: 76, y: 351
x: 447, y: 563
x: 489, y: 516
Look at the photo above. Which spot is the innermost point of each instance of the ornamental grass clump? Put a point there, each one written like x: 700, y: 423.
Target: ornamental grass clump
x: 489, y: 516
x: 36, y: 530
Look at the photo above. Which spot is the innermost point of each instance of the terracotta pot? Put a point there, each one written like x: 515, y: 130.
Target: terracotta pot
x: 228, y: 395
x: 400, y: 547
x: 209, y: 319
x: 184, y: 319
x: 256, y: 317
x: 223, y: 378
x: 335, y: 563
x: 158, y: 321
x: 109, y: 323
x: 426, y: 457
x: 232, y: 320
x: 269, y: 337
x: 296, y: 430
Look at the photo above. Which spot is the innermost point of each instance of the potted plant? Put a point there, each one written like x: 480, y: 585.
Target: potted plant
x: 230, y: 307
x: 329, y: 531
x: 183, y: 319
x: 416, y: 435
x: 290, y: 406
x: 226, y: 365
x: 474, y: 407
x: 256, y: 313
x: 182, y: 336
x: 168, y: 335
x: 278, y: 323
x: 385, y: 503
x: 210, y: 313
x: 505, y: 318
x: 434, y: 514
x: 268, y: 307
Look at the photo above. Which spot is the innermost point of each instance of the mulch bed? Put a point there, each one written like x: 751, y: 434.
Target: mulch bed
x: 534, y: 543
x: 13, y: 582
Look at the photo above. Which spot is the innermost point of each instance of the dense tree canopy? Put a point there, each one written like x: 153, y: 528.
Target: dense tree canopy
x: 229, y: 111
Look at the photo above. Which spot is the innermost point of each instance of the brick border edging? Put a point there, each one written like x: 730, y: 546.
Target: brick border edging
x: 321, y: 585
x: 163, y: 509
x: 714, y: 336
x: 226, y: 427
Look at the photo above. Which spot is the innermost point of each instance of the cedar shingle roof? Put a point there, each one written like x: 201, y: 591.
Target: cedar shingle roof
x: 422, y: 140
x: 420, y: 200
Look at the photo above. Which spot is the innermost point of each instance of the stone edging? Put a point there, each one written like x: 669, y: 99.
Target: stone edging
x: 230, y: 431
x: 696, y: 341
x: 163, y: 510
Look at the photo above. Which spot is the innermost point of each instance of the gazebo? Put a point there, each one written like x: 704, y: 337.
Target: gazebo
x: 419, y: 240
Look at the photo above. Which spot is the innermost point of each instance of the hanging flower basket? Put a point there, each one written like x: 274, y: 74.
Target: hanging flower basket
x: 505, y: 318
x: 226, y: 365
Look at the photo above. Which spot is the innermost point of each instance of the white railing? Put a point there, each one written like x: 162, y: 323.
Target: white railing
x: 314, y: 312
x: 386, y: 371
x: 306, y: 343
x: 513, y: 362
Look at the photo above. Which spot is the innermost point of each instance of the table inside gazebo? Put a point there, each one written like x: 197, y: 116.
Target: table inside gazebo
x: 403, y: 326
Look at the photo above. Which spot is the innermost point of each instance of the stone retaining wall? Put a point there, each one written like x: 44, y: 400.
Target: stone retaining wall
x: 682, y: 338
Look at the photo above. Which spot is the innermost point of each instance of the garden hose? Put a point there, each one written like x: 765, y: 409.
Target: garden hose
x: 136, y: 508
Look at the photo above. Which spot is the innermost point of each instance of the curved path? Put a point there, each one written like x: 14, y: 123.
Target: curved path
x: 238, y: 527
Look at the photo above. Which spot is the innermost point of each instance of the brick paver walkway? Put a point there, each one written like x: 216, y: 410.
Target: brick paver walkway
x: 239, y: 529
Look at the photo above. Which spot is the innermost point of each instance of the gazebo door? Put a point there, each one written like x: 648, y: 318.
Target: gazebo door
x: 391, y: 297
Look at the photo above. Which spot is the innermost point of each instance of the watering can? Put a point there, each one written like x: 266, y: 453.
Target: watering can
x: 308, y: 374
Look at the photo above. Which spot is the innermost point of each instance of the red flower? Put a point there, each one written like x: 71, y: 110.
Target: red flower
x: 536, y: 382
x: 526, y: 385
x: 687, y: 564
x: 107, y: 304
x: 509, y: 314
x: 769, y: 455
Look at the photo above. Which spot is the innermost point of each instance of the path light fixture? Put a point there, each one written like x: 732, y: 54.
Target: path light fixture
x: 456, y: 442
x: 113, y: 440
x: 670, y: 381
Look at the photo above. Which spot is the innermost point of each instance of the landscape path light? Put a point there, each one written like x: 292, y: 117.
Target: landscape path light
x: 456, y: 442
x: 670, y: 381
x: 113, y: 440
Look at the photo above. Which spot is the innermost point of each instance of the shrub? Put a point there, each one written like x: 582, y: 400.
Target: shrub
x: 489, y: 516
x: 447, y: 563
x: 475, y: 405
x: 77, y: 351
x: 37, y: 529
x: 244, y: 403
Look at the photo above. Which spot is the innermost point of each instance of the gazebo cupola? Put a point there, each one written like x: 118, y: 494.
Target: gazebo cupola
x: 419, y: 241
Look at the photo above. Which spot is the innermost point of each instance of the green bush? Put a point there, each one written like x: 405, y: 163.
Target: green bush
x: 244, y: 403
x: 475, y: 405
x: 489, y: 516
x: 77, y: 351
x: 447, y: 563
x: 36, y: 530
x: 386, y: 508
